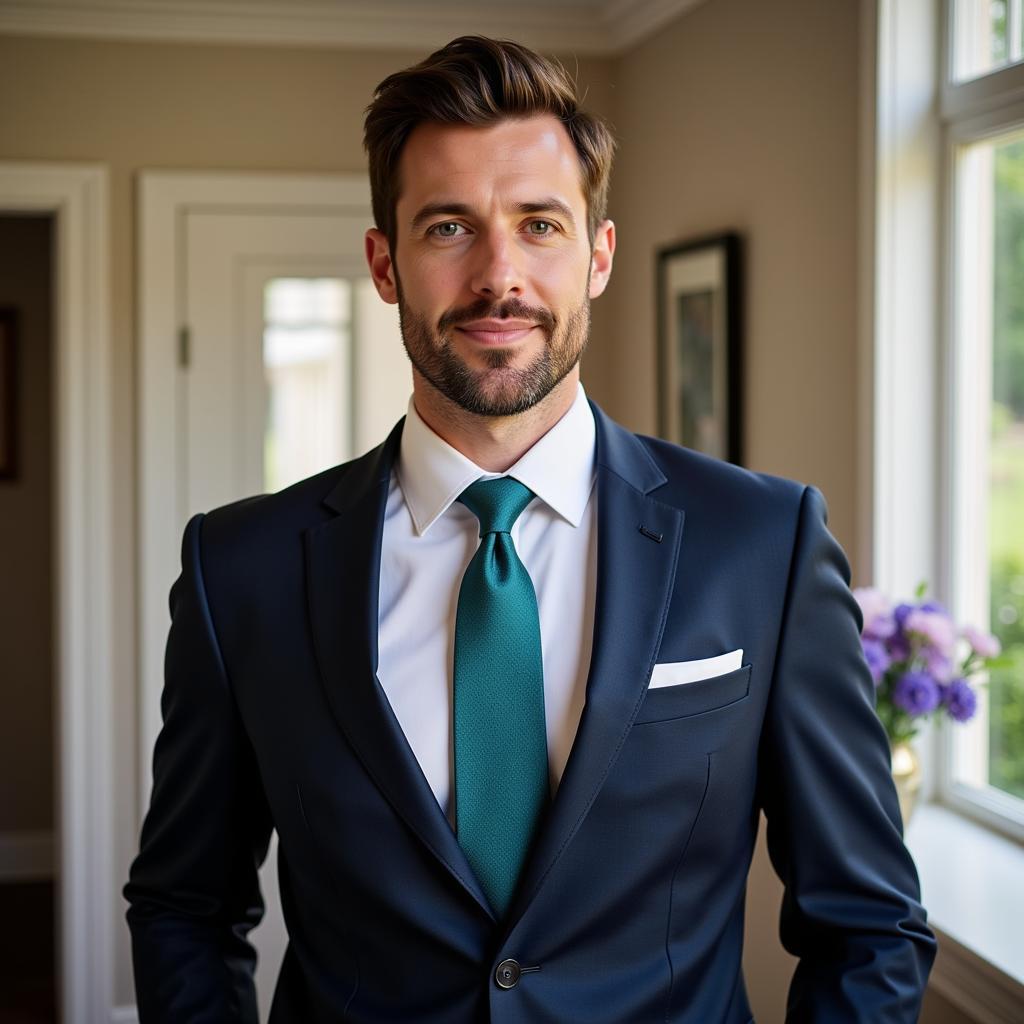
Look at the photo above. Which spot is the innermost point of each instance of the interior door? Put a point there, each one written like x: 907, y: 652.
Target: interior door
x: 290, y: 363
x: 270, y: 299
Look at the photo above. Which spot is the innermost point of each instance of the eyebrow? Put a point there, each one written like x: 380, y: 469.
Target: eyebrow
x: 549, y: 204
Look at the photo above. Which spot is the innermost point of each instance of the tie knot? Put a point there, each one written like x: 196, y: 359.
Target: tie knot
x: 497, y: 503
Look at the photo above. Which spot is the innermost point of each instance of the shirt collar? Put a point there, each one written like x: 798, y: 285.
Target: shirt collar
x: 559, y: 468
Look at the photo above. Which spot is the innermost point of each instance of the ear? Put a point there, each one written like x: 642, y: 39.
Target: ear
x: 601, y: 259
x: 378, y: 259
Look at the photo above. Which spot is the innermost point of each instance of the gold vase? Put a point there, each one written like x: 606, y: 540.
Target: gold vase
x: 906, y: 772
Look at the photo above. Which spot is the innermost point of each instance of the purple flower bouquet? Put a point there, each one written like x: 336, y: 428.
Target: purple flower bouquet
x: 922, y: 663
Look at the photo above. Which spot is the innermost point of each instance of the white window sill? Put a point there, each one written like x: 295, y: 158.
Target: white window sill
x: 972, y: 885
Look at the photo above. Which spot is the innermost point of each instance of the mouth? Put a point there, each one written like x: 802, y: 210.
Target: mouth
x: 497, y: 333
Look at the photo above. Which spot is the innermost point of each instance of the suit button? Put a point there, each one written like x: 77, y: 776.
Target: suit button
x: 507, y: 974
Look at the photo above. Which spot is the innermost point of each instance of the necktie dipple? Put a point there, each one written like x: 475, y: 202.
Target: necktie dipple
x: 500, y: 740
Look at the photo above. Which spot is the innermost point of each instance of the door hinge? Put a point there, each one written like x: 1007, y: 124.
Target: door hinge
x: 183, y: 347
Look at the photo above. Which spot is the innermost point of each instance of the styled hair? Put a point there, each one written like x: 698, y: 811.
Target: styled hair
x: 479, y: 81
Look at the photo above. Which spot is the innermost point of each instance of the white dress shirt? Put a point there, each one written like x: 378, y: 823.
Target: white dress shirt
x: 429, y: 538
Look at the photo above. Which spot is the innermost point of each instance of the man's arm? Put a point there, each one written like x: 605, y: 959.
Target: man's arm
x: 193, y: 888
x: 851, y: 909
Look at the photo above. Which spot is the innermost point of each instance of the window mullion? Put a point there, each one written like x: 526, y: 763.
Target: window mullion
x: 1013, y: 25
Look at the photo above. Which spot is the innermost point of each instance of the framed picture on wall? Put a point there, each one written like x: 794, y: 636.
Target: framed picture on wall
x: 700, y: 393
x: 8, y: 393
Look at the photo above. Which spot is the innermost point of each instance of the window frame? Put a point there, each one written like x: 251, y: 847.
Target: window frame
x: 970, y: 112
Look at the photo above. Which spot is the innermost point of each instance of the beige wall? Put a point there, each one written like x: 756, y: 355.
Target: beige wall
x: 743, y: 115
x: 26, y: 592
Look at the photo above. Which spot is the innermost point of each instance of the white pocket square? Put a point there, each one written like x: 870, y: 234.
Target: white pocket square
x: 672, y: 673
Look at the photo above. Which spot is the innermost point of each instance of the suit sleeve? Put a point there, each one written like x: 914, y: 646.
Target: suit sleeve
x: 851, y: 911
x: 193, y: 888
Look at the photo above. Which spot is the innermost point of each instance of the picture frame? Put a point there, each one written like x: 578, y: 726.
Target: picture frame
x: 8, y: 393
x: 699, y: 316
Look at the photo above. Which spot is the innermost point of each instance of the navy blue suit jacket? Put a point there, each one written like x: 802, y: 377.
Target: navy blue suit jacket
x: 631, y: 903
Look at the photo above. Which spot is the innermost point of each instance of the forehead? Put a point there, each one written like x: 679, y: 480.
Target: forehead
x: 521, y: 157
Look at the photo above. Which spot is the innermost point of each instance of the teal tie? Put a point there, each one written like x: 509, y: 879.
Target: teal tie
x: 501, y: 755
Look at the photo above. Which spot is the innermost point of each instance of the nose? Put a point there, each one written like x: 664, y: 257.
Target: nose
x: 498, y: 273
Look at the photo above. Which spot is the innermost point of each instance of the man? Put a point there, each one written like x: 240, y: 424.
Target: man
x: 514, y: 687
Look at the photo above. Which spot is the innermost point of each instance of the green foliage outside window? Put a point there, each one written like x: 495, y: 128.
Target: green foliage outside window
x: 1006, y: 515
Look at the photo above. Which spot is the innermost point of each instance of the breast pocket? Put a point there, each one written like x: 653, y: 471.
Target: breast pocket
x: 664, y: 703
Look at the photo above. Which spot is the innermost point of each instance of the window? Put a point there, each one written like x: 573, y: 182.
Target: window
x: 987, y: 35
x: 306, y: 357
x: 984, y: 447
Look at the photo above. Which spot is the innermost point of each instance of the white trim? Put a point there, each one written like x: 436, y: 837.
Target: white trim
x: 906, y: 296
x: 977, y: 110
x: 974, y: 986
x: 601, y: 27
x: 966, y: 385
x: 971, y: 984
x: 993, y: 808
x: 905, y: 514
x: 26, y: 856
x: 1001, y: 85
x: 164, y: 199
x: 77, y: 196
x: 630, y: 21
x: 969, y: 883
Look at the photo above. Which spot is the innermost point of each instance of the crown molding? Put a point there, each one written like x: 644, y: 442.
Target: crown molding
x: 632, y: 21
x: 603, y: 27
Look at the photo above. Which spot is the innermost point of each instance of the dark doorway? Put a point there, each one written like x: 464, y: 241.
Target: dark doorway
x: 29, y: 829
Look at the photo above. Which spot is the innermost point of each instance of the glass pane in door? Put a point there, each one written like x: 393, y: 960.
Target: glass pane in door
x: 307, y: 360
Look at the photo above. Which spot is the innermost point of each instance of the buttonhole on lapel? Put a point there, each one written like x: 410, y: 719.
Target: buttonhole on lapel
x: 656, y: 537
x: 529, y: 970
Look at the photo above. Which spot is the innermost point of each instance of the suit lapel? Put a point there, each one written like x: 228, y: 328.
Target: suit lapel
x: 635, y: 576
x: 343, y: 574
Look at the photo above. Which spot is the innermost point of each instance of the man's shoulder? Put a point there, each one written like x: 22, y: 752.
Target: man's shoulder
x: 686, y: 466
x: 265, y: 519
x: 690, y: 477
x: 715, y: 495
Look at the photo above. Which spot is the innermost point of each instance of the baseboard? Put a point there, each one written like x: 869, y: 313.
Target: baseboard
x: 127, y: 1014
x: 26, y: 856
x: 975, y: 986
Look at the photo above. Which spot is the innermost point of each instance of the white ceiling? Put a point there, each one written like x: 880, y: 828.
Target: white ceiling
x: 578, y: 26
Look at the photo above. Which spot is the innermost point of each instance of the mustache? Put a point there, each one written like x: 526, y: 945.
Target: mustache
x: 507, y: 310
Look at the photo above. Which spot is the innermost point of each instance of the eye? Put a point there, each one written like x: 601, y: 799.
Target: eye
x: 448, y: 229
x: 541, y: 228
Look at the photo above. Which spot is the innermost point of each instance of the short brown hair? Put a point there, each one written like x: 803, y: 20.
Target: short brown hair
x: 479, y: 81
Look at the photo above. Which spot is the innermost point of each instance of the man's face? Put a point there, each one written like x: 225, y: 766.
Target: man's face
x: 492, y: 269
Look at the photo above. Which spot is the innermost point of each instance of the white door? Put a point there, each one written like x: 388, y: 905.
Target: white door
x: 293, y: 362
x: 288, y: 363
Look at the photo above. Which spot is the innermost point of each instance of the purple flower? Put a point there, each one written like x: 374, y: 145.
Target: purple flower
x: 938, y: 666
x: 899, y: 646
x: 876, y: 611
x: 960, y: 700
x: 985, y: 645
x: 881, y: 627
x: 916, y: 693
x: 877, y: 657
x: 901, y: 612
x: 935, y: 627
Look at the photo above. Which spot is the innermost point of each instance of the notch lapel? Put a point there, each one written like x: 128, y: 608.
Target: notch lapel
x: 635, y: 577
x: 343, y: 575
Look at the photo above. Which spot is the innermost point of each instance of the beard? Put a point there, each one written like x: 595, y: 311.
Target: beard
x: 499, y: 389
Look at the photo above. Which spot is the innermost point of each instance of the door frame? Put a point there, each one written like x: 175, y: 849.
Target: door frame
x: 76, y: 195
x: 165, y: 199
